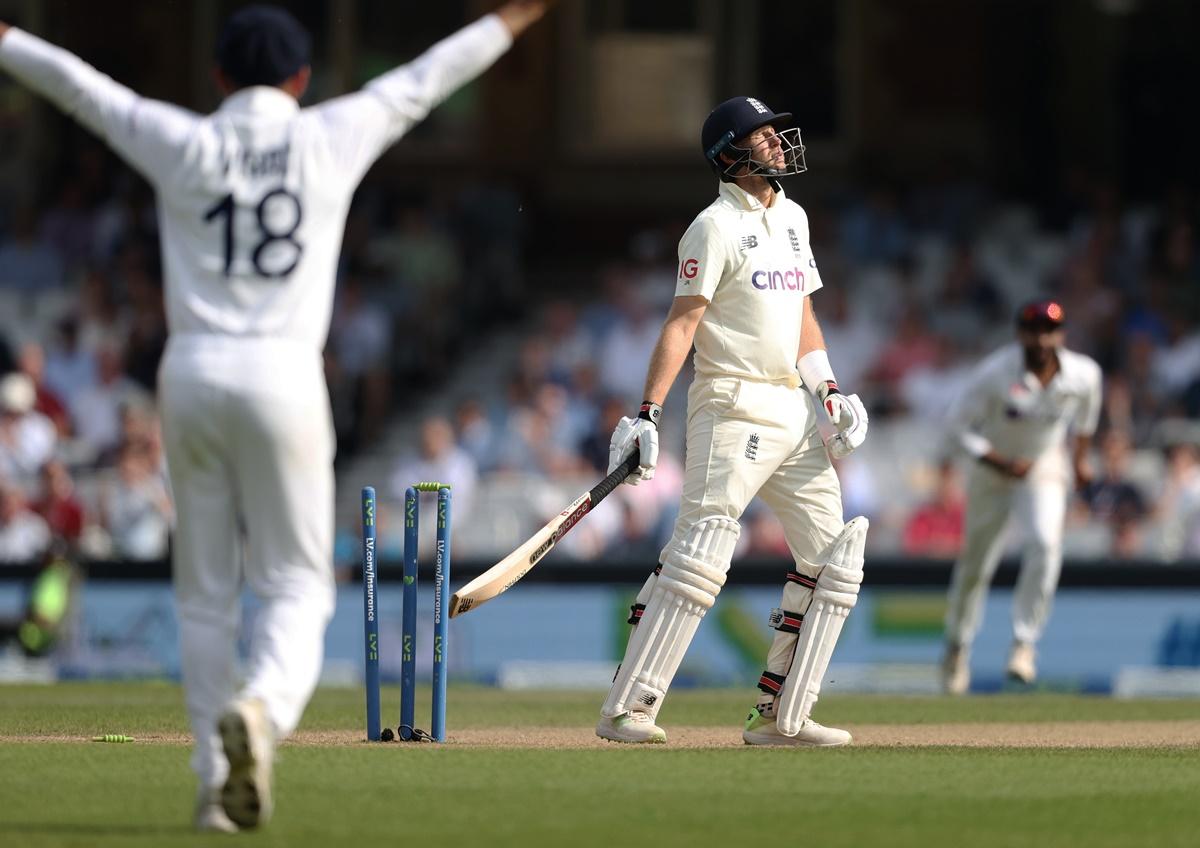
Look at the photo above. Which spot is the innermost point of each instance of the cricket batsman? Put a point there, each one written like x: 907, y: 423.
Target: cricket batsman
x: 742, y: 297
x: 1020, y: 408
x: 252, y: 204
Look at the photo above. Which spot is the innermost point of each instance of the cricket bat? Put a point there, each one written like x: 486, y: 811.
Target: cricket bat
x: 501, y: 576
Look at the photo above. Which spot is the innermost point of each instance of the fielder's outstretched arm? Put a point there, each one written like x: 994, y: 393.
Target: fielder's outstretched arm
x: 367, y: 122
x: 673, y: 345
x: 146, y: 133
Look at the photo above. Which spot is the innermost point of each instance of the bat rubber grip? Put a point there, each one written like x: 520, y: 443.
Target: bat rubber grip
x: 605, y: 487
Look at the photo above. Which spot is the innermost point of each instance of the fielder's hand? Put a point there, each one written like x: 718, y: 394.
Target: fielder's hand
x: 519, y: 15
x: 636, y: 434
x: 847, y: 413
x: 3, y: 28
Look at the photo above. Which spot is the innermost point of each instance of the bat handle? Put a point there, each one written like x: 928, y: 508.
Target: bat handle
x: 605, y: 487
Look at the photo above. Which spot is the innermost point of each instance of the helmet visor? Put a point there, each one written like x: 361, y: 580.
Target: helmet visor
x: 765, y: 160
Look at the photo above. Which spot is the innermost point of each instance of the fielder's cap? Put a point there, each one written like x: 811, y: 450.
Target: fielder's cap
x: 737, y: 118
x: 17, y: 393
x: 262, y: 45
x: 1041, y: 313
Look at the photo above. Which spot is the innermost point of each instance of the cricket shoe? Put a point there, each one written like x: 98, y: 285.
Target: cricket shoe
x: 635, y: 726
x: 956, y: 670
x: 761, y: 729
x: 210, y: 815
x: 249, y: 743
x: 1021, y: 666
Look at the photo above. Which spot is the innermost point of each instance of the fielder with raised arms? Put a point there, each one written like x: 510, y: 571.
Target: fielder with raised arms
x: 746, y: 272
x: 252, y: 204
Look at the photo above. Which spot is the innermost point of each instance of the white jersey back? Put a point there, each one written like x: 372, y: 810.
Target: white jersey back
x: 1006, y: 408
x: 755, y: 266
x: 253, y: 198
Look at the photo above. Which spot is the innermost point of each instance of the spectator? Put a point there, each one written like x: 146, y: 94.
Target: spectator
x: 96, y: 411
x: 360, y: 340
x: 27, y: 438
x: 26, y: 262
x: 32, y: 363
x: 475, y: 433
x: 1178, y: 505
x: 146, y: 338
x: 70, y: 367
x: 58, y: 506
x: 1113, y: 499
x: 103, y: 320
x: 631, y: 340
x: 135, y: 508
x: 24, y: 536
x: 439, y: 458
x: 936, y: 528
x: 139, y: 429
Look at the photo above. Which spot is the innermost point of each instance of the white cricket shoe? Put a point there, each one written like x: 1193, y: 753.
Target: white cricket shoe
x: 956, y: 670
x: 210, y: 815
x: 1021, y: 666
x: 634, y: 726
x: 761, y: 729
x: 249, y: 742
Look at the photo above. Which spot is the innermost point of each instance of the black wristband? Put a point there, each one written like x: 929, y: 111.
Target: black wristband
x: 650, y: 411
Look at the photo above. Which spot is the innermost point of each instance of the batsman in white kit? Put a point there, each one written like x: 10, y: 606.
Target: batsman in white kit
x: 742, y: 297
x: 252, y: 204
x: 1015, y: 416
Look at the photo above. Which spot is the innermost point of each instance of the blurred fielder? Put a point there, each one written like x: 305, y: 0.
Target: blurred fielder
x: 746, y: 271
x: 252, y: 203
x: 1014, y: 418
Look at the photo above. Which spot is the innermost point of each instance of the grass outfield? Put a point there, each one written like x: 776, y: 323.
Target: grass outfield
x: 55, y: 790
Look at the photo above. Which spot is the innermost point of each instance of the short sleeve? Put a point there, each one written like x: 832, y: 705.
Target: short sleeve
x: 1087, y: 417
x: 702, y: 260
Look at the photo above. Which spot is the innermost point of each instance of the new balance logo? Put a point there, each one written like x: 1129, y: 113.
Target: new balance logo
x: 752, y: 447
x: 749, y: 242
x: 648, y: 699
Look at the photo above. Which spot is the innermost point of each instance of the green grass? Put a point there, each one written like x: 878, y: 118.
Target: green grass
x: 110, y: 795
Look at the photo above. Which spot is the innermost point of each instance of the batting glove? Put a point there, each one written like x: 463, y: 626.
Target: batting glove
x: 636, y: 434
x: 848, y: 415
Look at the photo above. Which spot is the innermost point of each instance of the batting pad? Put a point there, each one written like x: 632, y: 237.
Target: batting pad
x: 835, y: 595
x: 692, y: 575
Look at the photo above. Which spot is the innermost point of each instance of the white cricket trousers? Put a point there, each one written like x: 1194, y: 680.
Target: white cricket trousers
x: 249, y: 441
x: 1039, y: 508
x: 746, y: 438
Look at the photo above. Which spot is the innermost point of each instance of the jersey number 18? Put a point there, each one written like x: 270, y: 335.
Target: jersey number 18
x: 274, y: 223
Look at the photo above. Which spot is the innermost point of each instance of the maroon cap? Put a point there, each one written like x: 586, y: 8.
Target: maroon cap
x: 1041, y: 313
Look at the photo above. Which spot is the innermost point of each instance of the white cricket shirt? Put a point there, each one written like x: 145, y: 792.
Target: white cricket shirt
x: 252, y: 199
x: 754, y: 265
x: 1005, y: 407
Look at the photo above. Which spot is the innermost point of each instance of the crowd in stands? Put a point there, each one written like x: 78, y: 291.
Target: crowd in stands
x: 919, y: 285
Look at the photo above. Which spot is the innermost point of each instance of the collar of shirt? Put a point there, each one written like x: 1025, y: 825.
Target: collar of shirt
x: 743, y: 199
x: 1030, y: 380
x: 261, y: 100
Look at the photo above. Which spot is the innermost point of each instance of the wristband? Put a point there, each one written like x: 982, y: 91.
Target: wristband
x: 650, y: 411
x: 815, y: 371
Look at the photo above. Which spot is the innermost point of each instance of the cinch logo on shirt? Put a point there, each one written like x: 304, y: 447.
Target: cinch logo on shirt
x: 791, y: 280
